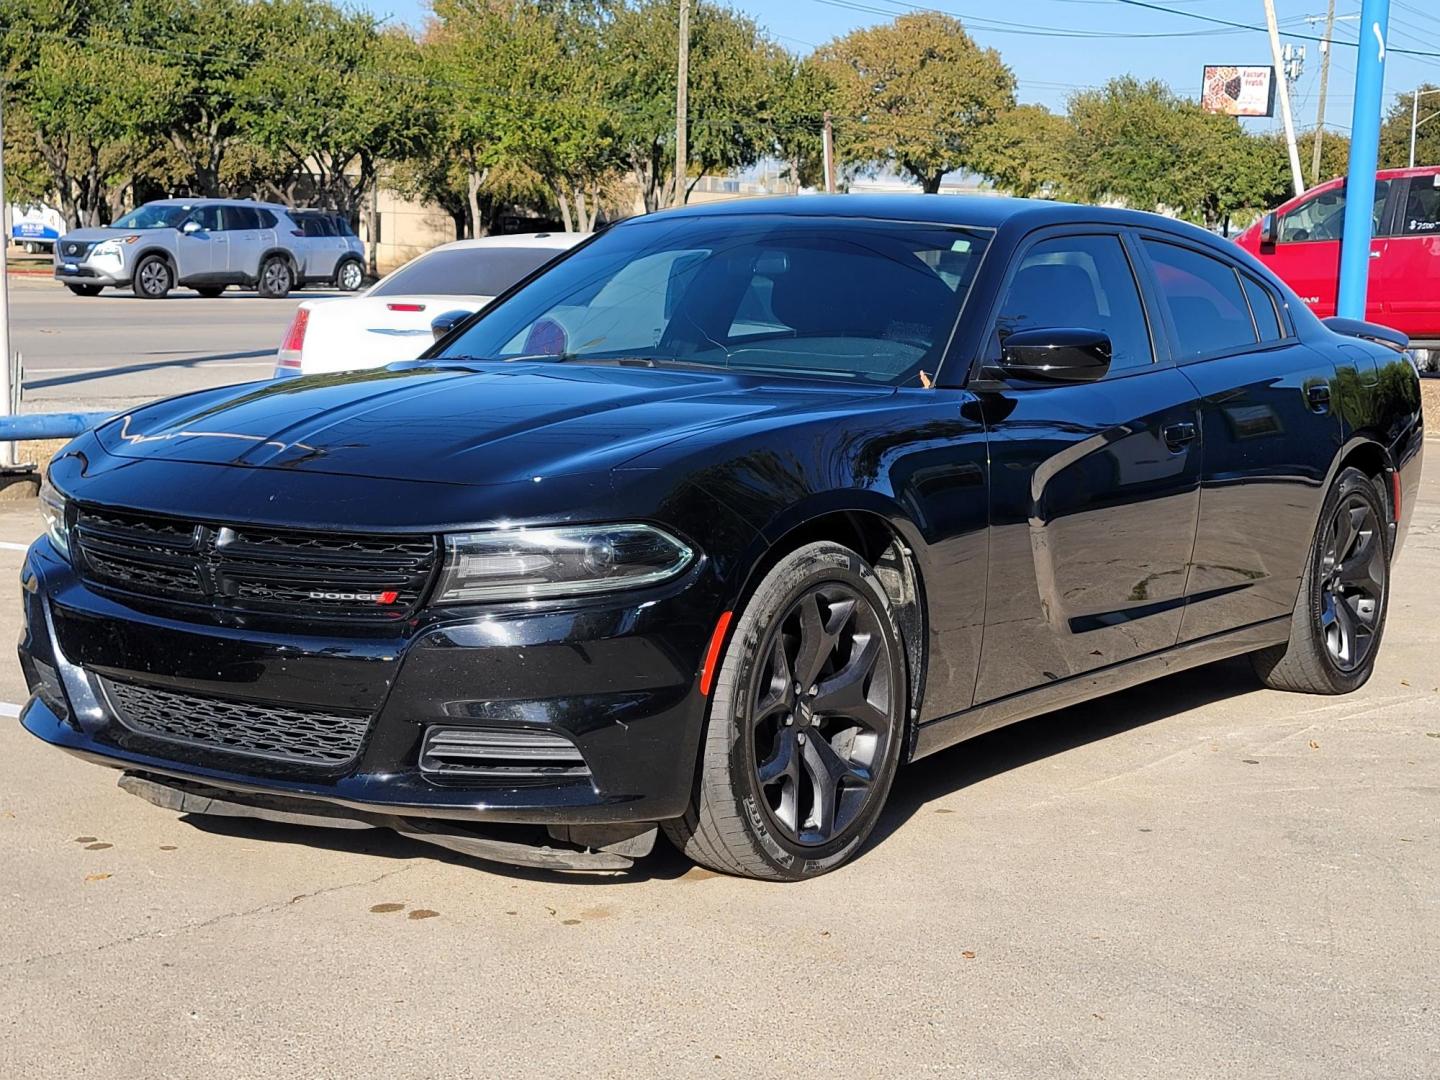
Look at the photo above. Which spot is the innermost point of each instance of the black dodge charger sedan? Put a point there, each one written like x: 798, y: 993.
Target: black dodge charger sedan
x: 715, y: 523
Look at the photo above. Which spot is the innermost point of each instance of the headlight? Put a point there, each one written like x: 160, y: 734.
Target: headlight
x: 110, y: 249
x: 517, y: 564
x: 52, y: 509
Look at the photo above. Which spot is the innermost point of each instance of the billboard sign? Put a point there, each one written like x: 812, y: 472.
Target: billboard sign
x: 1239, y: 91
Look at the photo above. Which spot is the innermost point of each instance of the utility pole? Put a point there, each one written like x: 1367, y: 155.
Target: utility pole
x: 1284, y: 89
x: 7, y: 368
x: 827, y: 143
x: 1414, y: 123
x: 1324, y: 86
x: 682, y: 107
x: 1355, y: 246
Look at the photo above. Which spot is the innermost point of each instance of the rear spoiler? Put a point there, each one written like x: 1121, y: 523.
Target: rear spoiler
x: 1369, y: 331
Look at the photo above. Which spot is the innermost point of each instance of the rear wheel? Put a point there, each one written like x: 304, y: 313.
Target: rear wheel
x: 84, y: 290
x: 276, y: 278
x: 350, y: 276
x: 153, y: 279
x: 806, y: 724
x: 1340, y: 612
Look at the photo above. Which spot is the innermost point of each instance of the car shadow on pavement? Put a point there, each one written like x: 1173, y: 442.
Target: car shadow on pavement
x: 1028, y: 741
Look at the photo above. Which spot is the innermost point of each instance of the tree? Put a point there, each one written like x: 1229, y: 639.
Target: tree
x: 1024, y: 151
x: 736, y: 78
x: 90, y: 93
x: 1395, y: 131
x: 916, y: 94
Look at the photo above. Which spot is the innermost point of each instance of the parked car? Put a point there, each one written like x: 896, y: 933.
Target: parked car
x: 329, y: 251
x: 1300, y: 241
x: 36, y: 227
x: 204, y: 244
x: 392, y: 321
x: 717, y: 522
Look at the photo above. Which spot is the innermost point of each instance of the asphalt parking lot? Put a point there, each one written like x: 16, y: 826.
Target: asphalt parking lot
x: 116, y: 350
x: 1193, y: 878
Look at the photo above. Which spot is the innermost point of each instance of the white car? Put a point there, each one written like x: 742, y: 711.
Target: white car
x: 391, y: 321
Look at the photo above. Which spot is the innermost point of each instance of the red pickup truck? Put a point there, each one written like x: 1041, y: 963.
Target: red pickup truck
x: 1300, y: 241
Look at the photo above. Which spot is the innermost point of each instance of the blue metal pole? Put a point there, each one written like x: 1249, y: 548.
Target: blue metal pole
x: 1364, y: 154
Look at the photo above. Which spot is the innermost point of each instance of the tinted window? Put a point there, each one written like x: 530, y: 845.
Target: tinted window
x: 1084, y: 282
x: 241, y: 217
x: 342, y: 226
x: 314, y: 225
x: 1262, y: 306
x: 1322, y: 217
x: 152, y: 216
x: 462, y: 272
x: 265, y: 219
x: 1422, y: 207
x: 1205, y: 300
x: 207, y: 217
x: 860, y: 300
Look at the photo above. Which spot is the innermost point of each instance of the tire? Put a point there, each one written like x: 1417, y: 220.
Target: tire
x: 768, y: 718
x: 153, y: 278
x: 210, y: 292
x: 276, y: 278
x: 84, y: 290
x: 349, y: 275
x: 1340, y: 613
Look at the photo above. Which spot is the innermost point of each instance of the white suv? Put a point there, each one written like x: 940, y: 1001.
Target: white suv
x: 204, y: 244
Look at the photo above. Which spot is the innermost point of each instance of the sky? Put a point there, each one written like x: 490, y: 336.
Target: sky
x: 1056, y: 47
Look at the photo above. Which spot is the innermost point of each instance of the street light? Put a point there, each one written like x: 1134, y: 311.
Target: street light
x: 1415, y: 120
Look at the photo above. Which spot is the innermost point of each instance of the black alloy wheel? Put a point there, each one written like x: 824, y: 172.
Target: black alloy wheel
x: 820, y: 714
x: 1339, y: 615
x: 1353, y: 575
x: 806, y: 726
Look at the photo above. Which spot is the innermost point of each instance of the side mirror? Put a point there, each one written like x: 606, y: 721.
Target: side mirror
x: 1270, y: 229
x: 190, y: 227
x: 442, y: 324
x: 1058, y: 355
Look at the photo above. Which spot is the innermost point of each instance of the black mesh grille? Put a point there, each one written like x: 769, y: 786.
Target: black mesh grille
x: 247, y: 568
x: 508, y: 756
x: 275, y: 732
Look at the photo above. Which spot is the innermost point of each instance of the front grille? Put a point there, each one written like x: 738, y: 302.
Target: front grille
x: 76, y: 249
x: 274, y: 732
x: 500, y: 756
x: 250, y: 568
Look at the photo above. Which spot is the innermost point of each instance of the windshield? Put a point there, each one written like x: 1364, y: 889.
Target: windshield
x: 154, y: 216
x: 486, y: 271
x: 861, y: 300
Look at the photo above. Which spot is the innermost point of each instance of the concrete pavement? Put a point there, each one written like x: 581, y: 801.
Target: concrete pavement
x: 1194, y: 878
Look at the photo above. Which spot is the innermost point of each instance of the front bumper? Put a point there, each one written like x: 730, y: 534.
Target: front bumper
x: 86, y: 273
x: 617, y: 678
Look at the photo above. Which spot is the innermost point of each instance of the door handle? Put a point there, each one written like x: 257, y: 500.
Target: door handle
x: 1176, y: 436
x: 1318, y: 395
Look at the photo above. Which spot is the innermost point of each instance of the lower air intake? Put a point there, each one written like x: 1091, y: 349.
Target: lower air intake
x: 501, y: 756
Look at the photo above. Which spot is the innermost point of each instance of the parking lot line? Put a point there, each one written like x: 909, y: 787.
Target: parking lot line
x: 6, y: 545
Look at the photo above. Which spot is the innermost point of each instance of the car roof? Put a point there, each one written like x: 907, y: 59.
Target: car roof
x: 205, y: 200
x: 559, y: 241
x: 975, y: 211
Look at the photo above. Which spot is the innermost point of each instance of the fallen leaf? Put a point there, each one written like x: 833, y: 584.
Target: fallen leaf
x: 97, y: 847
x: 942, y: 810
x: 968, y: 955
x: 1098, y: 1016
x: 167, y: 847
x: 422, y: 913
x: 95, y: 877
x: 86, y: 839
x: 1314, y: 745
x: 1250, y: 761
x: 1404, y: 683
x: 569, y: 922
x: 824, y: 933
x: 1433, y: 734
x: 385, y: 909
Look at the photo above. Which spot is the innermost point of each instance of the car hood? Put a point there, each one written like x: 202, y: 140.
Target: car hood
x: 487, y: 424
x: 107, y: 233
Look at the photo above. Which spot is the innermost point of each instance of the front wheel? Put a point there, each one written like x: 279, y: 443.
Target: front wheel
x: 276, y: 278
x: 806, y: 724
x: 1340, y: 613
x: 153, y: 279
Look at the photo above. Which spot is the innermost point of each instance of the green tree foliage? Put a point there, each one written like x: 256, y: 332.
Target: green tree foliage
x: 737, y: 77
x: 916, y: 94
x: 1026, y: 151
x: 1395, y: 131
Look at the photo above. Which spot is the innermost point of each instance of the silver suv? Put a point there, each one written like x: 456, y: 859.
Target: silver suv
x: 204, y: 244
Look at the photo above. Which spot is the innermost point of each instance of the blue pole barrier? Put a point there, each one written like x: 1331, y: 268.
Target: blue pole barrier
x: 1364, y: 154
x: 48, y: 425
